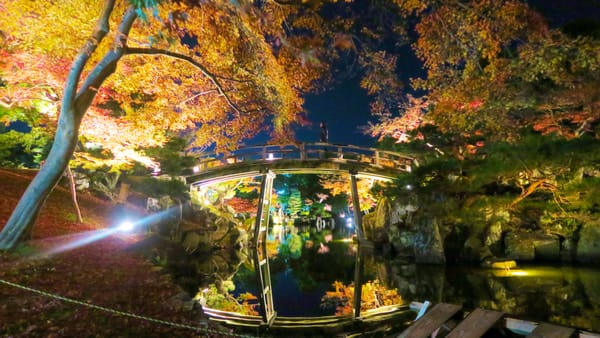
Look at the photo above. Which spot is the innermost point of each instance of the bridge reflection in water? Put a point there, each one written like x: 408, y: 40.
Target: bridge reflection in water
x: 318, y: 158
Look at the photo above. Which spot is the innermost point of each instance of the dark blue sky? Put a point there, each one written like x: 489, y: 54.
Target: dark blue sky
x: 343, y: 109
x: 346, y: 108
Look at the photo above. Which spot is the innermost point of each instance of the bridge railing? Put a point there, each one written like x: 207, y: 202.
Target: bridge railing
x: 308, y: 151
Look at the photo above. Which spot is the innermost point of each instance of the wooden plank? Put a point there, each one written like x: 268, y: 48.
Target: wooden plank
x: 476, y: 324
x: 545, y: 330
x: 433, y: 319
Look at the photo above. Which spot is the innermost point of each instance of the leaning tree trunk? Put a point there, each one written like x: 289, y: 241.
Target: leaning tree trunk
x: 23, y: 217
x: 75, y: 103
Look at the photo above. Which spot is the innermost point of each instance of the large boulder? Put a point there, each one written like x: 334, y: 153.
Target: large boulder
x: 401, y: 213
x: 378, y: 220
x: 402, y: 242
x: 530, y: 246
x: 429, y: 246
x: 588, y: 246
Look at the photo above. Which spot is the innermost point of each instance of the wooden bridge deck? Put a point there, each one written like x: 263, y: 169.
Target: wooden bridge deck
x: 319, y: 158
x: 450, y: 319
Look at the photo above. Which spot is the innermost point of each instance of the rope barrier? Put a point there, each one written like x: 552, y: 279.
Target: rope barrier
x: 122, y: 313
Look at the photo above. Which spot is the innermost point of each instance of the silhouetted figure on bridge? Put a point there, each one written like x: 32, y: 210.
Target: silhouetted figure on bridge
x: 324, y: 132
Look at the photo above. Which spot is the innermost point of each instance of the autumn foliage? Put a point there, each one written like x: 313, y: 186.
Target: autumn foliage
x: 373, y: 295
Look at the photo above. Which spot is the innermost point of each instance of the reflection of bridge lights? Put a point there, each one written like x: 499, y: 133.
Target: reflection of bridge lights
x: 196, y: 169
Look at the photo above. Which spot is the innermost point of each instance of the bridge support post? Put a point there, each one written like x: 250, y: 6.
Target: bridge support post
x: 261, y: 260
x: 358, y: 268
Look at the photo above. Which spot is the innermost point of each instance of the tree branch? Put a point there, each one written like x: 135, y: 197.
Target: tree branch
x: 107, y: 65
x: 212, y: 77
x: 102, y: 28
x: 197, y: 95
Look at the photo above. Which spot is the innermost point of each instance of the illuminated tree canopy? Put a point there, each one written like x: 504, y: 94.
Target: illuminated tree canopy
x: 128, y: 74
x: 495, y: 67
x: 125, y: 74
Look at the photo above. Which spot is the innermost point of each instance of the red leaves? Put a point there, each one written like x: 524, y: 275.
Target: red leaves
x: 103, y: 273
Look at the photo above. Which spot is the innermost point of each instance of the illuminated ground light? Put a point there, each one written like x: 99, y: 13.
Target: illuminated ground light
x: 510, y: 273
x: 73, y: 241
x: 126, y: 226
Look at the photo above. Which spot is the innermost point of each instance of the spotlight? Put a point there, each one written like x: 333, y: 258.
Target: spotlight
x: 126, y: 226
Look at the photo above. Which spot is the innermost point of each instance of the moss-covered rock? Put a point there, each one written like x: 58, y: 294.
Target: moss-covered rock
x: 588, y: 246
x: 530, y: 246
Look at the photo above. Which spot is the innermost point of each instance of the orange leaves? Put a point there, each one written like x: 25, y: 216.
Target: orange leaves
x: 221, y: 79
x: 373, y: 295
x: 410, y: 118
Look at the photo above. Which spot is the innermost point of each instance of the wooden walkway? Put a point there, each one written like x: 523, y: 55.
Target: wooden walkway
x: 448, y: 320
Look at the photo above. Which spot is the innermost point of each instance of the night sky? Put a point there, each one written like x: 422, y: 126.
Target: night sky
x: 346, y: 107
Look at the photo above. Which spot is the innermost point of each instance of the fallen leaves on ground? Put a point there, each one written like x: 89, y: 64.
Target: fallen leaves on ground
x: 104, y: 273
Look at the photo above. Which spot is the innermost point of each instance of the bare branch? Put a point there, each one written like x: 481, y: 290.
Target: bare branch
x: 197, y: 95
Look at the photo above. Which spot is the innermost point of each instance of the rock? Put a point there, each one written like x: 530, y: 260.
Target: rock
x: 568, y: 250
x: 519, y: 247
x: 474, y: 250
x: 429, y: 247
x: 402, y: 242
x: 547, y: 249
x: 529, y: 246
x: 588, y: 246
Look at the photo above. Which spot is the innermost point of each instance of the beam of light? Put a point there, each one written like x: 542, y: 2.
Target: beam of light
x: 73, y: 241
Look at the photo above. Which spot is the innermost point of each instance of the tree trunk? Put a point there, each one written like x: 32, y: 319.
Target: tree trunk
x: 74, y: 194
x: 75, y: 102
x: 23, y: 217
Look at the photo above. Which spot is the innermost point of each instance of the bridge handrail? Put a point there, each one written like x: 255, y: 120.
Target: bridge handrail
x: 308, y: 151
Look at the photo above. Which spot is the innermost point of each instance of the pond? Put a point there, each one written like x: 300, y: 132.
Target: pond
x: 306, y: 264
x: 312, y: 275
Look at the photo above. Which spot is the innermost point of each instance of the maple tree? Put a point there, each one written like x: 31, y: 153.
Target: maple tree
x: 494, y: 65
x: 126, y: 73
x: 135, y: 79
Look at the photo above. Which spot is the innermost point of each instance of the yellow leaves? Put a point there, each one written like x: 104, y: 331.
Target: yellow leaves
x: 58, y: 28
x: 151, y: 95
x: 373, y: 296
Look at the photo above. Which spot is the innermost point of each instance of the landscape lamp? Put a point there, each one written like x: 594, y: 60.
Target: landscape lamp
x: 125, y: 226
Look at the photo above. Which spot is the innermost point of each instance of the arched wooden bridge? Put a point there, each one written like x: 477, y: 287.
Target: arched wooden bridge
x: 303, y: 158
x: 306, y: 158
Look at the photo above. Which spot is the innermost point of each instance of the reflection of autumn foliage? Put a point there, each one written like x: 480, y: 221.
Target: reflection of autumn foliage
x: 373, y: 295
x: 341, y: 185
x: 272, y: 249
x: 242, y: 205
x: 245, y: 303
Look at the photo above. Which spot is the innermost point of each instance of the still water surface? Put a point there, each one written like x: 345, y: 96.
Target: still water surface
x: 301, y: 276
